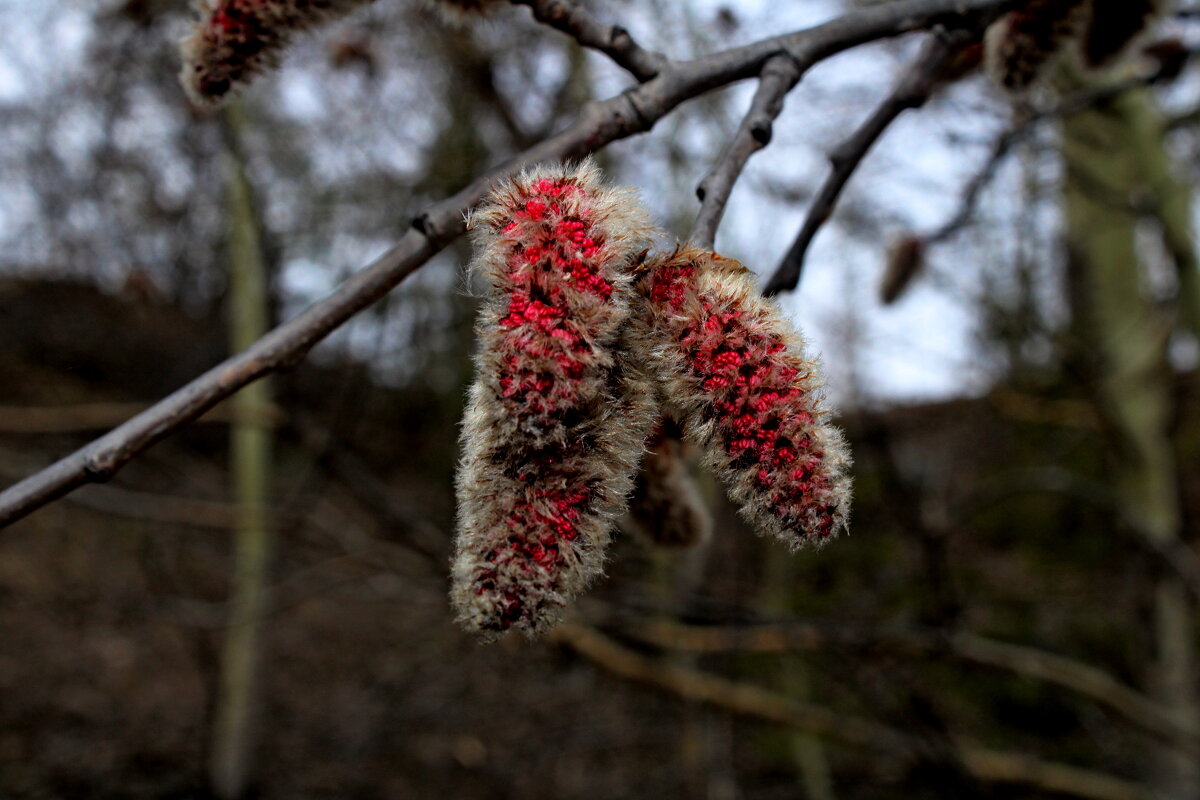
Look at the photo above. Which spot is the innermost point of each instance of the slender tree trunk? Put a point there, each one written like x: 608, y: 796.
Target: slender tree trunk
x: 250, y: 468
x: 808, y: 754
x: 1108, y: 150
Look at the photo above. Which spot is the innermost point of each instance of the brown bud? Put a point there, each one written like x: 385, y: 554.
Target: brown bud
x: 666, y: 507
x: 906, y: 258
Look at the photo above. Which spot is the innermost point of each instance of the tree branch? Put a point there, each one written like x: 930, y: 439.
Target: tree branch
x: 746, y: 700
x: 1075, y: 676
x: 612, y: 40
x: 1002, y: 146
x: 912, y: 91
x: 779, y: 75
x: 600, y: 123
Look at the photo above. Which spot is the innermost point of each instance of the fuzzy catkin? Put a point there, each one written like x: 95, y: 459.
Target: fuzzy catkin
x: 235, y: 40
x: 1019, y: 47
x: 735, y: 373
x: 666, y: 506
x: 558, y: 413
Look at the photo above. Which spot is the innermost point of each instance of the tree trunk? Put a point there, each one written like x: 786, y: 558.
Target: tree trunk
x: 808, y: 754
x: 250, y: 468
x: 1108, y: 152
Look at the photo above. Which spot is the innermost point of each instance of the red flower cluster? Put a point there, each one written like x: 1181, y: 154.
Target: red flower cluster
x: 737, y: 377
x: 237, y: 39
x: 579, y: 342
x: 556, y: 419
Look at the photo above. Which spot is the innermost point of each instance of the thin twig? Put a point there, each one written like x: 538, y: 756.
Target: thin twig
x: 599, y: 123
x: 779, y: 75
x: 612, y: 40
x: 751, y: 701
x: 912, y: 91
x: 1025, y: 124
x: 1075, y: 676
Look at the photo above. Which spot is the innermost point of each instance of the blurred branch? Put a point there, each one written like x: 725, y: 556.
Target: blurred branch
x: 912, y: 91
x: 97, y: 416
x: 600, y: 123
x: 779, y: 75
x: 1084, y: 679
x: 1003, y: 144
x: 1174, y: 554
x: 751, y: 701
x: 611, y: 40
x: 743, y: 699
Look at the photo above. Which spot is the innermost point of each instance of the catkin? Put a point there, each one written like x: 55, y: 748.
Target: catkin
x: 1022, y: 44
x: 235, y: 40
x: 558, y: 413
x: 667, y: 507
x: 735, y: 374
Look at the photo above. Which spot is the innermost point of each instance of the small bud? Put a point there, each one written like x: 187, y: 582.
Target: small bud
x: 666, y: 506
x: 558, y: 414
x: 906, y: 258
x: 1022, y: 44
x: 735, y: 374
x: 235, y: 40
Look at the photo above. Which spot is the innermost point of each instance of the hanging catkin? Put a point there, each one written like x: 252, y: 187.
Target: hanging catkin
x: 235, y: 40
x: 558, y: 414
x: 735, y: 374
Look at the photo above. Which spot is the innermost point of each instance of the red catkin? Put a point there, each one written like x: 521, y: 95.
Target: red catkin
x: 235, y: 40
x: 735, y: 374
x: 557, y: 415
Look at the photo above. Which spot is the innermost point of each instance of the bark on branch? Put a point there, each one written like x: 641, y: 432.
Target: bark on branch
x: 779, y: 75
x: 912, y: 91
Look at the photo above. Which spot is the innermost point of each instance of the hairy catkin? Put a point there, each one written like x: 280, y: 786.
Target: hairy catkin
x: 558, y: 413
x: 235, y: 40
x: 667, y: 507
x: 1022, y: 44
x: 736, y: 376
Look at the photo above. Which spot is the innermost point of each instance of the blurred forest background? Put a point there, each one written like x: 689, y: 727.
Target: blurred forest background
x: 1014, y: 614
